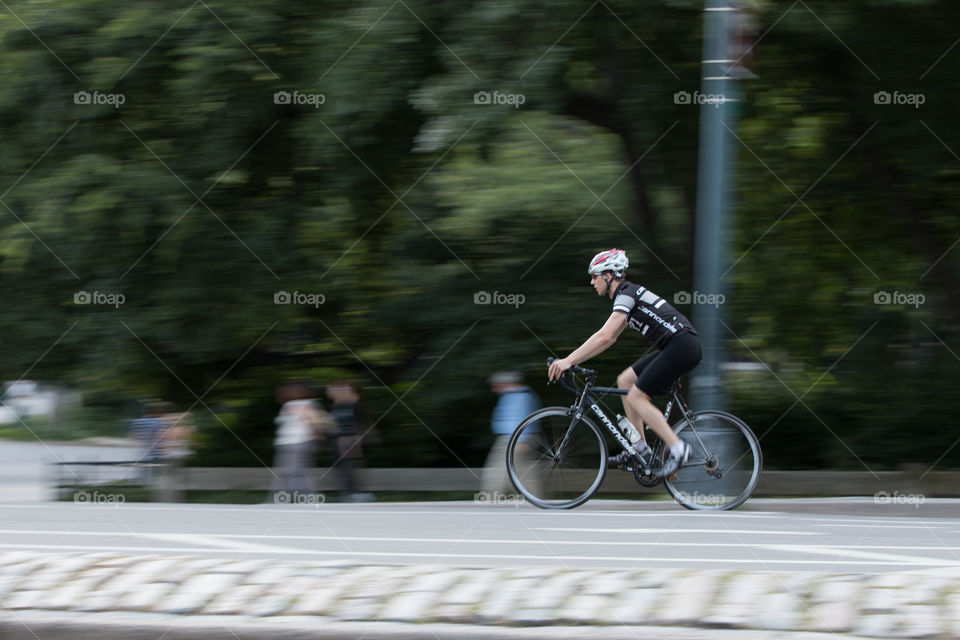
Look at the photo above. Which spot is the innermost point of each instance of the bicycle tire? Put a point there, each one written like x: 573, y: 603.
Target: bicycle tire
x: 689, y: 476
x: 536, y: 488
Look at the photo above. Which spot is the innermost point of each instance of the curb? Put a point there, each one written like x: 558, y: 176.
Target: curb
x: 107, y: 626
x: 304, y: 599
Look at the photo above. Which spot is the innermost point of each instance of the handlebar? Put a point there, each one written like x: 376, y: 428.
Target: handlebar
x: 577, y: 369
x: 568, y: 383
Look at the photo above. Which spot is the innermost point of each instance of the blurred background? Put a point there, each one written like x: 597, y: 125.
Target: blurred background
x: 198, y: 203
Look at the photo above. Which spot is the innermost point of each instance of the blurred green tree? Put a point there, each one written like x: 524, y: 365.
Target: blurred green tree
x: 395, y: 160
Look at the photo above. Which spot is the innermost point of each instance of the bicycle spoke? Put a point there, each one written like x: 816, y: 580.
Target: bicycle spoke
x: 567, y: 466
x: 726, y: 466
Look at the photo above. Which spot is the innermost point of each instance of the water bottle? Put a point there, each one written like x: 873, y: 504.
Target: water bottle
x: 627, y: 429
x: 630, y: 431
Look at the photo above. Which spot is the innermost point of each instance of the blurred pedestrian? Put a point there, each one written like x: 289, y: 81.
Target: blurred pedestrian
x: 178, y: 436
x: 349, y: 450
x: 148, y: 431
x: 301, y: 424
x: 516, y: 402
x: 175, y: 448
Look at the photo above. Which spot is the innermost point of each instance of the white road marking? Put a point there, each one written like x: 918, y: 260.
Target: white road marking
x: 223, y: 540
x: 493, y: 510
x: 879, y: 519
x: 475, y: 556
x: 347, y: 509
x: 672, y: 530
x: 214, y: 541
x: 871, y: 525
x: 854, y: 553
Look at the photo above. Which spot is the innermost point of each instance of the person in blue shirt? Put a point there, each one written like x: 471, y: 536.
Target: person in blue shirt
x: 148, y: 431
x: 516, y: 402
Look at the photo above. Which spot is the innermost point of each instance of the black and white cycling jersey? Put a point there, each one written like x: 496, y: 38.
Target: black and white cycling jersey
x: 651, y: 315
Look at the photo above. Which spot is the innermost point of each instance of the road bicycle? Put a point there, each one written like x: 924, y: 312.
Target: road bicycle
x: 557, y: 456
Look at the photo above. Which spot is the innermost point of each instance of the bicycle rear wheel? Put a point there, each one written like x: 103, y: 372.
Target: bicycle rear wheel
x: 554, y: 461
x: 724, y: 464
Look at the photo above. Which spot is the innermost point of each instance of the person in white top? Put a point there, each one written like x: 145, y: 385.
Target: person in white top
x: 301, y: 423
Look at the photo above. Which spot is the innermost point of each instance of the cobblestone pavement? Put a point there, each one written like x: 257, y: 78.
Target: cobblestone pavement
x: 245, y: 591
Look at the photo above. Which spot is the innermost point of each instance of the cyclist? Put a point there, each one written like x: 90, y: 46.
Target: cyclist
x: 678, y: 351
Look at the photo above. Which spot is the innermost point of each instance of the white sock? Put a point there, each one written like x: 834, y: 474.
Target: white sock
x: 676, y: 448
x: 641, y: 446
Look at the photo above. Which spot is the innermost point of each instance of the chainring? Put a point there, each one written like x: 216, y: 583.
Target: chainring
x: 651, y: 480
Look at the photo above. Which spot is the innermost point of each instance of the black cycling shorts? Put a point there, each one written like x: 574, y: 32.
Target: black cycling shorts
x: 656, y: 371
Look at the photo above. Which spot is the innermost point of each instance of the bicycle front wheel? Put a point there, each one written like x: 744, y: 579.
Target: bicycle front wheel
x: 724, y: 464
x: 556, y: 462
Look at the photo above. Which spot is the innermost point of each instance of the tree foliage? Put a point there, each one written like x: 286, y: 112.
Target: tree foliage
x: 400, y: 198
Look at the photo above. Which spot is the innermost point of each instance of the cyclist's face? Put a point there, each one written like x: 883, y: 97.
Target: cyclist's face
x: 599, y: 284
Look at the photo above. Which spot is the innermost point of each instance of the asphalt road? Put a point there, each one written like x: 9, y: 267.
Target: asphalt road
x: 602, y: 534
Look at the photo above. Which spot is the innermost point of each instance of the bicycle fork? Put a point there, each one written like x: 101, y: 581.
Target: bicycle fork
x: 577, y: 412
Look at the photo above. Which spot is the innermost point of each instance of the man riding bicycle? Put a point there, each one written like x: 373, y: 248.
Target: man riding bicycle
x: 678, y: 351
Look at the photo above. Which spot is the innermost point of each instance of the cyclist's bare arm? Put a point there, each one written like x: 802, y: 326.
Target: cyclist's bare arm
x: 595, y: 344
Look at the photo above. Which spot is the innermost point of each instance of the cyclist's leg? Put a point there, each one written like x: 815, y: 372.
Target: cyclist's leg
x: 626, y: 380
x: 680, y: 355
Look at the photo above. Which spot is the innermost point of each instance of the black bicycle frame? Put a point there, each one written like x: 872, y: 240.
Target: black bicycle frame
x: 590, y: 392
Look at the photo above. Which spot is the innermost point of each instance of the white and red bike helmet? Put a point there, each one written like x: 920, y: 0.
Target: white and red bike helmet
x: 614, y: 260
